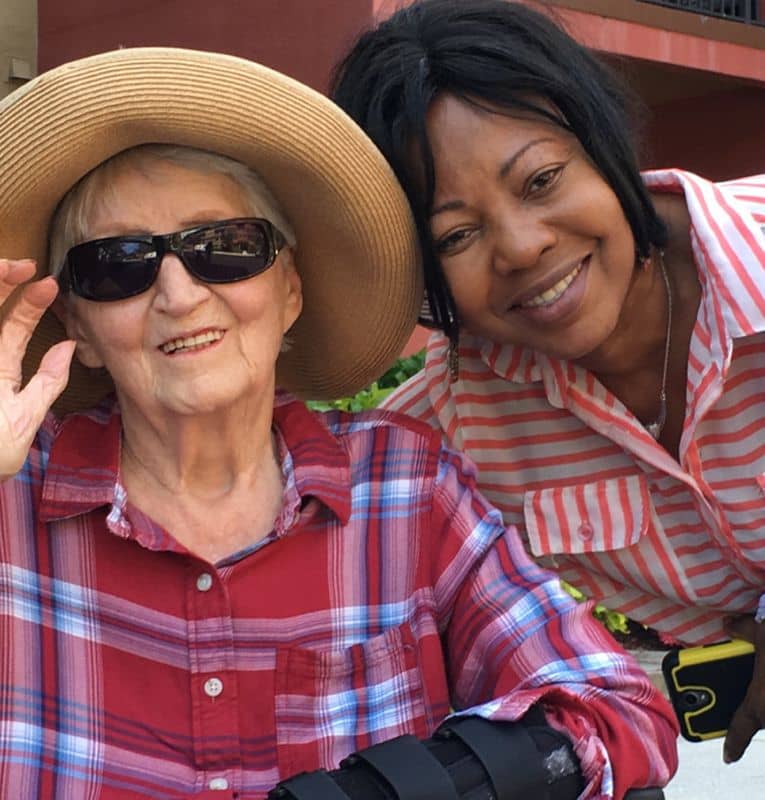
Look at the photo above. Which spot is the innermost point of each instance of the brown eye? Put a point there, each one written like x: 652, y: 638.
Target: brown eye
x: 452, y: 241
x: 544, y: 180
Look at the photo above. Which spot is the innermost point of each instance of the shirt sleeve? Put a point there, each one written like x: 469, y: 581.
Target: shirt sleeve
x: 515, y: 638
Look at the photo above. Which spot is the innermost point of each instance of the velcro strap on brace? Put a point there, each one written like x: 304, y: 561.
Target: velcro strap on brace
x: 507, y: 753
x: 316, y: 785
x: 412, y: 772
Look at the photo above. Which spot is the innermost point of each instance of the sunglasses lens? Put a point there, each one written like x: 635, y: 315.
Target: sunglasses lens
x: 112, y: 269
x: 230, y: 251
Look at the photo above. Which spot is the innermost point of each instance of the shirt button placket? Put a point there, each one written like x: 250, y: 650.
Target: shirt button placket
x: 213, y: 674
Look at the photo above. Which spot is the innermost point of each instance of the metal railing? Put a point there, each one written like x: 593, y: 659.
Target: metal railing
x: 749, y: 11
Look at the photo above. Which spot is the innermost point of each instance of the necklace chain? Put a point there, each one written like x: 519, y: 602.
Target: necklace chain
x: 657, y: 426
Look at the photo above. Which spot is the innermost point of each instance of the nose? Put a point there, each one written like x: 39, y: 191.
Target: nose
x: 178, y: 292
x: 520, y: 243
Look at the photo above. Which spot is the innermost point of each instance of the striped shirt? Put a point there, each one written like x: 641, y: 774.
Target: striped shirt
x: 388, y: 592
x: 675, y: 544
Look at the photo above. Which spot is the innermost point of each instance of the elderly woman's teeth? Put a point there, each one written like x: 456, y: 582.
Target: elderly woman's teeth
x: 554, y: 292
x: 191, y: 341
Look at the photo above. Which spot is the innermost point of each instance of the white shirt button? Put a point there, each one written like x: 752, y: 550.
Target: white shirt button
x: 204, y: 582
x: 213, y: 687
x: 219, y: 784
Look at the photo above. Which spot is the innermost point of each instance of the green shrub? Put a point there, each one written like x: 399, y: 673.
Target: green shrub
x: 375, y: 393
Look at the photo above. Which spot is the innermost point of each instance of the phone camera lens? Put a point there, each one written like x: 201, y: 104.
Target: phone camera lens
x: 694, y: 699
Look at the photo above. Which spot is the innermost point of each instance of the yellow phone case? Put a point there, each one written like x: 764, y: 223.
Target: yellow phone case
x: 706, y: 685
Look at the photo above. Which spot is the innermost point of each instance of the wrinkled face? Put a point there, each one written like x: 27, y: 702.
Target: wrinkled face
x: 184, y: 346
x: 533, y: 242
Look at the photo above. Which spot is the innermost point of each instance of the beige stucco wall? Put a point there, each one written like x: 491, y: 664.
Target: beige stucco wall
x: 18, y: 39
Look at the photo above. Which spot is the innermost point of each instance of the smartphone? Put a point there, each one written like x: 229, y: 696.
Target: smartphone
x: 706, y: 685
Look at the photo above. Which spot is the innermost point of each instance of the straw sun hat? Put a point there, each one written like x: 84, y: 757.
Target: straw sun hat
x: 357, y: 253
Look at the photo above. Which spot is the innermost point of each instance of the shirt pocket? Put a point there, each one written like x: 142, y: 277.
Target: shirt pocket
x: 329, y: 704
x: 587, y: 517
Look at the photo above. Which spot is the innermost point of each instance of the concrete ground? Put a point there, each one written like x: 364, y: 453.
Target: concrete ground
x: 702, y: 775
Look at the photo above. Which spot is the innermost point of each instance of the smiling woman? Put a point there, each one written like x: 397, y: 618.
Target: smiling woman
x: 532, y: 241
x: 601, y: 332
x: 214, y: 587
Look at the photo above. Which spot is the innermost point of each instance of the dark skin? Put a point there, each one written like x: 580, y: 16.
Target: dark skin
x: 638, y: 385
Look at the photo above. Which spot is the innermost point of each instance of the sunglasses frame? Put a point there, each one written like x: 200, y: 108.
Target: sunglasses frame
x: 167, y: 243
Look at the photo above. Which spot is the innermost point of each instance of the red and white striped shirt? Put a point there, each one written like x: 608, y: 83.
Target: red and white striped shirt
x: 677, y: 545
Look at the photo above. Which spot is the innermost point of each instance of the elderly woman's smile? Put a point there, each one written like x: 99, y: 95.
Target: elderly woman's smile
x: 183, y: 345
x: 192, y: 343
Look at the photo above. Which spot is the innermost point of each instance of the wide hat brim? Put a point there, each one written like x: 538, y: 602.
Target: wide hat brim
x: 357, y: 253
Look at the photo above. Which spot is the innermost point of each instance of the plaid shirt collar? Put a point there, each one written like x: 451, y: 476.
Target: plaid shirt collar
x: 82, y: 473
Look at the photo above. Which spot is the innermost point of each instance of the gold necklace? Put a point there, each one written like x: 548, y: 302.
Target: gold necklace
x: 657, y: 426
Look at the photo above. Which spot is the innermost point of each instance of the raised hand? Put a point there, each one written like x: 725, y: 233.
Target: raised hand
x: 22, y: 410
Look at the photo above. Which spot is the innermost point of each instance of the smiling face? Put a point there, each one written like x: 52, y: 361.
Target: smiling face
x: 184, y: 346
x: 533, y: 242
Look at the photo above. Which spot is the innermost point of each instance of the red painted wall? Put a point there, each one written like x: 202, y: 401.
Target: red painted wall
x: 302, y: 38
x: 718, y: 136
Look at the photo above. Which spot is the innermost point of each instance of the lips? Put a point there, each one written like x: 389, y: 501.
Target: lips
x: 549, y: 293
x: 193, y: 342
x: 554, y: 292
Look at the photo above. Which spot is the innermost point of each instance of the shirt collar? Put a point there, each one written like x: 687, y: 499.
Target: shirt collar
x: 727, y: 241
x: 83, y: 463
x: 314, y: 459
x: 83, y: 466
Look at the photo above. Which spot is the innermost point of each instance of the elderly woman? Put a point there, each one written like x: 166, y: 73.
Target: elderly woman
x: 206, y: 588
x: 601, y: 332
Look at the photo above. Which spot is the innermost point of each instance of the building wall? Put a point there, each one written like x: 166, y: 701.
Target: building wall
x: 18, y: 40
x: 719, y: 136
x: 302, y: 38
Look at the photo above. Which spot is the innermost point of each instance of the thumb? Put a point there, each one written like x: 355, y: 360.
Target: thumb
x: 742, y: 728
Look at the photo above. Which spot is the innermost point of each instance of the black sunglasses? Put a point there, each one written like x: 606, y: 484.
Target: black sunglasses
x: 124, y: 266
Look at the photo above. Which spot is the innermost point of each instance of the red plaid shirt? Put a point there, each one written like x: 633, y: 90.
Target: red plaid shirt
x: 388, y: 592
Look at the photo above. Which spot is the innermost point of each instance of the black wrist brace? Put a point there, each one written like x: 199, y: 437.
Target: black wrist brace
x: 468, y: 758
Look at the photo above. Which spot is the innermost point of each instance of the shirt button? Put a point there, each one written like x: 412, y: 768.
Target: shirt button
x: 213, y: 687
x: 585, y: 531
x: 204, y: 582
x: 219, y: 784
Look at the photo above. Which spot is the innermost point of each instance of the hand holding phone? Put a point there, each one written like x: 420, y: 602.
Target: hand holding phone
x: 750, y: 716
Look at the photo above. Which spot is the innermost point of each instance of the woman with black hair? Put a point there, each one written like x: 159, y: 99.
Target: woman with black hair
x: 600, y: 334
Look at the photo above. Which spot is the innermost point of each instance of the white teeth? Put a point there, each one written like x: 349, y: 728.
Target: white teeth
x: 191, y: 341
x: 554, y: 292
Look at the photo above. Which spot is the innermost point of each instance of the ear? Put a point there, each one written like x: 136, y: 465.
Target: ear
x: 64, y: 309
x: 293, y: 302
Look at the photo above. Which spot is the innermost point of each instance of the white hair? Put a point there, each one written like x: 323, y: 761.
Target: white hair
x: 71, y: 219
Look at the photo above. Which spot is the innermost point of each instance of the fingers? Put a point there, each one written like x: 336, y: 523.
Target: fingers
x: 51, y: 378
x: 742, y: 628
x: 743, y: 726
x: 22, y: 318
x: 13, y: 273
x: 750, y: 715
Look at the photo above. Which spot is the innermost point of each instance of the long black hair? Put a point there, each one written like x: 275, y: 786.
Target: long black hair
x: 507, y: 56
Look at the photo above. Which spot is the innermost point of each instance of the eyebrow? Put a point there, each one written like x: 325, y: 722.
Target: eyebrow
x: 506, y: 166
x: 204, y: 218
